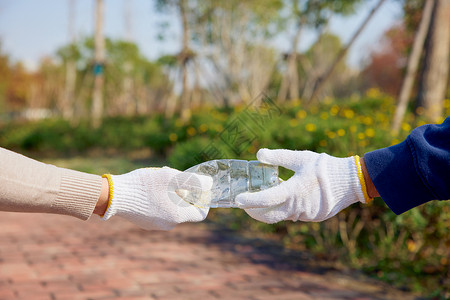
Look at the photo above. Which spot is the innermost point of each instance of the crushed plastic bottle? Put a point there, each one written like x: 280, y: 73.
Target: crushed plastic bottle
x: 230, y: 178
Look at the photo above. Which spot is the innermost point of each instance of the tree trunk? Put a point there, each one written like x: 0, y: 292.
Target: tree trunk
x: 129, y: 103
x: 290, y: 78
x: 413, y: 63
x: 184, y: 58
x: 320, y: 83
x: 433, y: 80
x: 71, y: 71
x: 97, y: 95
x: 170, y: 105
x: 69, y: 91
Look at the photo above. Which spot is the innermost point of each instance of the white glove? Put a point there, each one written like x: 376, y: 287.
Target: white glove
x: 147, y: 197
x: 321, y: 187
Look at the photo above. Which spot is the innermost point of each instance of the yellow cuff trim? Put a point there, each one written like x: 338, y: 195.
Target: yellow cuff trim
x: 111, y: 190
x: 367, y: 199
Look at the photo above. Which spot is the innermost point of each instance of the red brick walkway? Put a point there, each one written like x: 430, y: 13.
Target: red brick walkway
x: 57, y: 257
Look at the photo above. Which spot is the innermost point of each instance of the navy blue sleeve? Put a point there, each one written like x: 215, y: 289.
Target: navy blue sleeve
x: 415, y: 171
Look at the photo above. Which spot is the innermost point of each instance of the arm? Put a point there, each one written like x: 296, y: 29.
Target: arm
x: 405, y: 175
x: 415, y: 171
x: 27, y: 185
x: 102, y: 203
x: 370, y: 187
x: 146, y: 197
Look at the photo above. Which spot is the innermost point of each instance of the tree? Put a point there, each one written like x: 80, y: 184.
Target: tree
x: 433, y: 79
x: 413, y: 64
x: 186, y: 54
x: 97, y: 93
x: 5, y: 77
x: 67, y: 103
x: 316, y: 60
x: 233, y: 37
x: 150, y: 84
x: 320, y: 83
x: 313, y: 14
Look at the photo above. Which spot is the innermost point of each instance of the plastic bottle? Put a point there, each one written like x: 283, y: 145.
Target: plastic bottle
x: 230, y: 178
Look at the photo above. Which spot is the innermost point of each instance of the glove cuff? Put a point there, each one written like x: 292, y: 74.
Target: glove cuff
x: 362, y: 181
x: 344, y: 181
x: 124, y: 196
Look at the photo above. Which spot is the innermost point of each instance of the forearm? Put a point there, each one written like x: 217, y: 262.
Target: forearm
x: 371, y: 189
x: 27, y: 185
x: 102, y: 203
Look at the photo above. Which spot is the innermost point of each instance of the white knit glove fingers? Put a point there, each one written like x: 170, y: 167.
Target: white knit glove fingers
x: 289, y: 159
x: 189, y: 183
x: 147, y: 197
x: 321, y: 187
x: 291, y: 200
x: 265, y: 198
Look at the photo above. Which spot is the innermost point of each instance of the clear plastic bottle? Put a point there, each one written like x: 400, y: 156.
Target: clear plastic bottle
x: 230, y: 178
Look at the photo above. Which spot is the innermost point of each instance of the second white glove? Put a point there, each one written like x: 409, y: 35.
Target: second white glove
x: 321, y: 187
x: 148, y: 198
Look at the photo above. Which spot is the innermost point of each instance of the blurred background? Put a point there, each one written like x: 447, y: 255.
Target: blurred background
x: 112, y: 85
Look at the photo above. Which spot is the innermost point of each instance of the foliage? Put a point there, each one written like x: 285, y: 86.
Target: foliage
x: 410, y: 251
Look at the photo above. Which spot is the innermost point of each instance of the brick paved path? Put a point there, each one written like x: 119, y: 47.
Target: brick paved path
x: 57, y: 257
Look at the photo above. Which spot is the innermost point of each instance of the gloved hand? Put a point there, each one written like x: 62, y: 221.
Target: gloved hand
x: 321, y: 187
x: 147, y: 197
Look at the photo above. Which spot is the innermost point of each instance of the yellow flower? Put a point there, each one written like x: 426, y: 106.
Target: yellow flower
x: 324, y: 115
x: 361, y: 136
x: 394, y: 142
x: 191, y: 131
x: 334, y: 110
x: 353, y: 128
x: 447, y: 103
x: 367, y: 120
x: 440, y: 120
x: 370, y: 132
x: 406, y: 127
x: 363, y: 143
x: 173, y: 137
x: 301, y: 114
x: 331, y: 134
x: 327, y: 100
x: 421, y: 122
x: 341, y: 132
x: 296, y: 102
x: 323, y: 143
x: 411, y: 245
x: 310, y: 127
x: 373, y: 93
x: 203, y: 127
x: 349, y: 114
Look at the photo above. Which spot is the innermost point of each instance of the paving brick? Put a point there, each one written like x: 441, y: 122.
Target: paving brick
x: 58, y: 257
x: 7, y: 294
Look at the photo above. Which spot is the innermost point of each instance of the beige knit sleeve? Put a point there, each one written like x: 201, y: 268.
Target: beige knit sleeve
x: 27, y: 185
